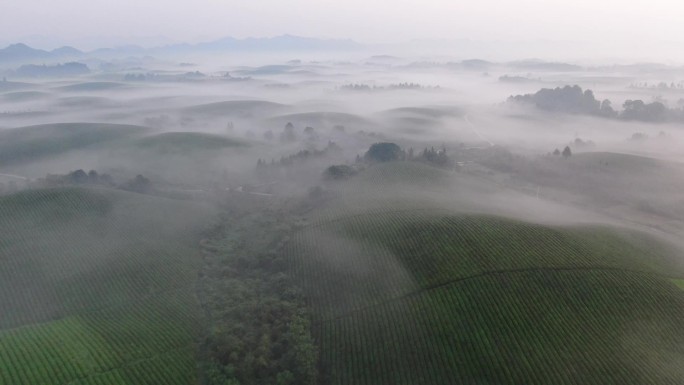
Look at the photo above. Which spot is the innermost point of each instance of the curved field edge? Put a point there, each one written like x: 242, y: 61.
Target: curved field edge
x: 362, y: 260
x: 422, y: 296
x: 560, y: 327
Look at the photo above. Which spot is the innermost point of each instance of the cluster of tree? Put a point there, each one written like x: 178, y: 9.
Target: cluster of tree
x: 289, y: 134
x: 228, y: 77
x: 372, y: 134
x: 383, y: 152
x: 579, y: 143
x: 660, y: 85
x: 566, y: 152
x: 516, y: 79
x: 435, y: 157
x: 138, y: 184
x: 57, y: 70
x: 387, y: 152
x: 647, y: 112
x: 93, y: 178
x: 339, y: 172
x: 79, y: 177
x: 357, y: 87
x: 139, y: 77
x: 571, y: 99
x: 261, y: 333
x: 398, y: 86
x: 638, y: 137
x: 194, y: 75
x: 302, y: 156
x: 568, y: 99
x: 409, y: 86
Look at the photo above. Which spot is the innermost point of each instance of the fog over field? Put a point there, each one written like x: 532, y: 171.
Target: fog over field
x: 398, y: 203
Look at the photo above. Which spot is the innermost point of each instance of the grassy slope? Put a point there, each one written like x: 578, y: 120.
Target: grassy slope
x: 35, y: 142
x: 322, y: 119
x: 387, y: 255
x: 21, y: 96
x: 421, y: 296
x: 93, y: 86
x: 238, y: 108
x: 98, y: 283
x: 187, y: 142
x: 520, y: 328
x: 607, y: 180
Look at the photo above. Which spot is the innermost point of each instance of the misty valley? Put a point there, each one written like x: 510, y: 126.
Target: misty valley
x: 338, y: 217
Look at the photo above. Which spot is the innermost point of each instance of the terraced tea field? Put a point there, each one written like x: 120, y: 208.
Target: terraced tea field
x: 97, y: 287
x: 427, y: 297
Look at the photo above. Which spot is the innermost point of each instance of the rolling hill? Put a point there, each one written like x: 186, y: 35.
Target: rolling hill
x: 187, y: 142
x: 237, y: 108
x: 426, y: 295
x: 97, y: 286
x: 323, y: 119
x: 93, y: 86
x: 31, y: 143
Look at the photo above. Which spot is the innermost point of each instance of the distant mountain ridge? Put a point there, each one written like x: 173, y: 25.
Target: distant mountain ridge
x: 278, y: 43
x: 21, y: 52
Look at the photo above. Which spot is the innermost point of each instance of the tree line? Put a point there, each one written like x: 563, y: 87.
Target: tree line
x: 574, y: 100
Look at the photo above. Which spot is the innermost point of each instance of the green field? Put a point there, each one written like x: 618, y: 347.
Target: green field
x: 21, y: 96
x: 98, y: 286
x: 186, y: 142
x: 559, y: 327
x: 422, y: 296
x: 27, y: 144
x: 237, y: 108
x: 322, y: 119
x: 679, y: 283
x: 93, y: 86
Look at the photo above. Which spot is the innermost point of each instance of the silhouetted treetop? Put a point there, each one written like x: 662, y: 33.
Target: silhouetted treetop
x: 383, y: 152
x: 569, y: 99
x: 572, y: 99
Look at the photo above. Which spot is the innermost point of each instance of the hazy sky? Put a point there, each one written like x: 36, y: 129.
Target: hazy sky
x: 86, y: 21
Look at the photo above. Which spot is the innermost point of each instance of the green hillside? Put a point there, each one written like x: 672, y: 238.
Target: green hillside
x: 237, y: 108
x: 21, y: 96
x: 423, y: 296
x: 97, y: 286
x: 26, y: 144
x: 179, y: 142
x: 93, y: 86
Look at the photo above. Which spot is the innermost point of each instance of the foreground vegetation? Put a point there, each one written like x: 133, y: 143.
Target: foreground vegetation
x: 535, y: 327
x: 361, y: 262
x: 260, y: 328
x: 419, y: 296
x: 97, y: 286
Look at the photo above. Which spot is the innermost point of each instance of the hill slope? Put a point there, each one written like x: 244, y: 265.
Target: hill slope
x: 425, y: 296
x: 98, y: 285
x: 26, y: 144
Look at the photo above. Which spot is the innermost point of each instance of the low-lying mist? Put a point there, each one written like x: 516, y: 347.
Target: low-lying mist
x: 273, y: 125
